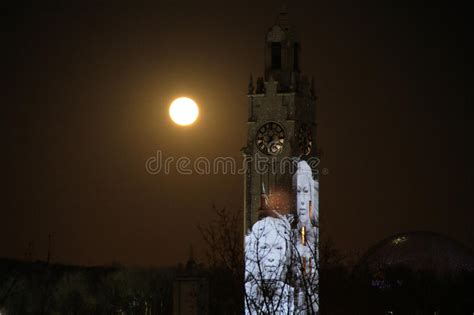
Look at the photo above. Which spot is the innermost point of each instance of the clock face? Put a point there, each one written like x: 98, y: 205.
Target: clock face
x: 305, y: 140
x: 270, y: 138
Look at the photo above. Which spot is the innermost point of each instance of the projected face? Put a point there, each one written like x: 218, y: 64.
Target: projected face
x: 271, y: 250
x: 303, y: 197
x: 268, y: 249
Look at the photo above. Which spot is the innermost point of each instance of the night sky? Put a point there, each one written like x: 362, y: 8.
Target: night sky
x: 85, y: 103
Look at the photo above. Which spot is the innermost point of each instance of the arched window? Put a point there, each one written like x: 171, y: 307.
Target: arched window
x: 276, y: 55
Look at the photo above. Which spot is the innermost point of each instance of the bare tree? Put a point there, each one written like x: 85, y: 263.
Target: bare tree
x: 223, y: 237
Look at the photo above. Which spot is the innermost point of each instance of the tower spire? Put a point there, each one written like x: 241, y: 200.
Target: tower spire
x: 281, y: 52
x: 191, y: 252
x: 264, y: 209
x: 282, y: 18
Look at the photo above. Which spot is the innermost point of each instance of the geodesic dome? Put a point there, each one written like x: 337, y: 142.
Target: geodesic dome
x: 420, y: 251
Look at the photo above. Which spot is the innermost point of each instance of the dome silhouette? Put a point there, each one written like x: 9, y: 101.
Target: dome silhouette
x: 419, y: 251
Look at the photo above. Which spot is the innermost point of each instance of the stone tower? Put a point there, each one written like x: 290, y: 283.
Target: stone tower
x: 281, y: 124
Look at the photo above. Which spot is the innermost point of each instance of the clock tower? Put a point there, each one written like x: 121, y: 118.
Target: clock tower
x: 281, y: 125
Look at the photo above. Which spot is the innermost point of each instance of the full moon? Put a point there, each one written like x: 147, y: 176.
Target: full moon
x: 184, y: 111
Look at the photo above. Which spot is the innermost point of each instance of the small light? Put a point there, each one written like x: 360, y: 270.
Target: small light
x: 399, y: 240
x: 310, y: 210
x: 303, y: 236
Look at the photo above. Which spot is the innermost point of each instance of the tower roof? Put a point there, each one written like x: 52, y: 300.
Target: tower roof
x: 282, y: 18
